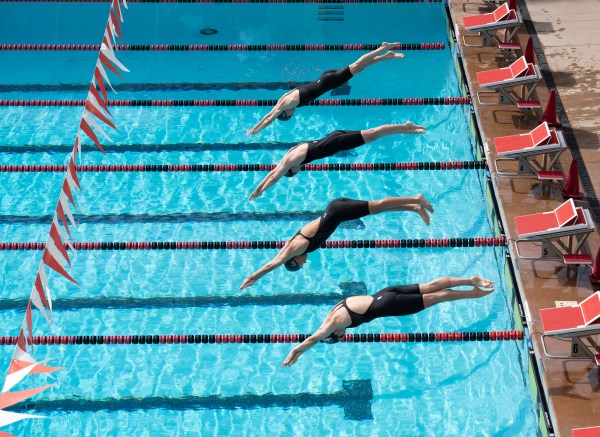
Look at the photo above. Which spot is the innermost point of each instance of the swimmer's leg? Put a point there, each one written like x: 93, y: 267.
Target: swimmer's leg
x: 391, y: 129
x: 374, y: 57
x: 449, y: 282
x: 416, y: 204
x: 440, y: 296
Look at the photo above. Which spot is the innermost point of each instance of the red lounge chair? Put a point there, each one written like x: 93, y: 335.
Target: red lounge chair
x: 501, y: 13
x: 487, y: 26
x: 502, y: 81
x: 527, y: 148
x: 574, y: 322
x: 551, y: 228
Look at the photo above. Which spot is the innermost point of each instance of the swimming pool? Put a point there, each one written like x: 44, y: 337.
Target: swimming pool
x: 223, y: 389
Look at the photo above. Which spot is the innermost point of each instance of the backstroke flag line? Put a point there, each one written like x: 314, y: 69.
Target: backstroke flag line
x: 55, y: 255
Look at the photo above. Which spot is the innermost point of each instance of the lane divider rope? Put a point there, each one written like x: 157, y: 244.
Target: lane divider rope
x: 450, y: 165
x: 217, y: 245
x: 417, y: 337
x: 226, y: 47
x: 417, y: 101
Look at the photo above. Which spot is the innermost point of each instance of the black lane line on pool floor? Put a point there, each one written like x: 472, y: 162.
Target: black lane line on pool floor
x: 119, y: 303
x: 193, y: 217
x: 174, y: 147
x: 355, y: 398
x: 586, y: 181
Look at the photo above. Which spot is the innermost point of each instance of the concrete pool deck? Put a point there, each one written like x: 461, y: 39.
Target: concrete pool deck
x: 566, y: 38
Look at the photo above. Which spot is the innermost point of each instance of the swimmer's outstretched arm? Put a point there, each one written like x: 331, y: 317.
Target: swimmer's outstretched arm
x: 279, y: 260
x: 266, y: 120
x: 324, y: 331
x: 291, y: 159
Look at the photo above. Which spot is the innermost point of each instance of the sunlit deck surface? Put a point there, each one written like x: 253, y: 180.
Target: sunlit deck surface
x: 566, y: 37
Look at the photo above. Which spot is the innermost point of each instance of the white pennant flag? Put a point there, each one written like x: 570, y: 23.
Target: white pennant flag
x: 92, y: 122
x: 8, y: 417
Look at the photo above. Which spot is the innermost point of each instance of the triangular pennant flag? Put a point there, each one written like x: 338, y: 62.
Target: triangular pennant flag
x: 94, y: 110
x: 98, y: 77
x: 66, y: 188
x: 111, y: 55
x: 53, y: 263
x: 28, y: 322
x: 97, y: 99
x: 65, y: 238
x: 37, y: 301
x: 40, y: 290
x: 77, y: 147
x: 14, y: 378
x: 104, y: 75
x: 115, y: 25
x: 90, y: 120
x: 90, y: 133
x: 125, y: 4
x: 117, y: 8
x: 63, y: 219
x: 44, y: 279
x: 106, y: 62
x: 8, y: 399
x: 72, y: 172
x: 54, y: 234
x: 64, y: 203
x: 8, y: 417
x: 17, y: 365
x: 107, y: 38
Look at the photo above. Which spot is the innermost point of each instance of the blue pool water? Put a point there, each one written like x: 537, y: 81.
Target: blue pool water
x: 407, y: 389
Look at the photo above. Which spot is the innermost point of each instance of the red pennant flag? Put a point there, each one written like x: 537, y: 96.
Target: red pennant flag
x: 28, y: 322
x: 95, y: 93
x: 98, y: 77
x: 21, y: 340
x: 17, y: 365
x: 55, y: 265
x: 40, y: 289
x: 63, y: 219
x: 90, y: 133
x: 11, y: 398
x: 91, y: 108
x: 108, y: 64
x: 58, y: 242
x: 73, y: 172
x: 116, y: 25
x: 117, y: 7
x: 67, y: 191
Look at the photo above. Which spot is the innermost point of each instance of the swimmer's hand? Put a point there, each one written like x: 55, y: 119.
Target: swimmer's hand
x: 251, y: 131
x: 291, y: 358
x: 250, y: 280
x: 255, y: 195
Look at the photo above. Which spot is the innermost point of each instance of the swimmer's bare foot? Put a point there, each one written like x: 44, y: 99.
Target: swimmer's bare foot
x: 391, y: 55
x: 389, y: 45
x: 424, y: 203
x: 423, y: 213
x: 481, y: 282
x: 411, y: 128
x: 479, y: 292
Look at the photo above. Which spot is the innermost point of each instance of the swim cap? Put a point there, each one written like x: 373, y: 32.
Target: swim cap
x: 331, y: 339
x: 290, y: 173
x: 292, y: 265
x: 284, y: 116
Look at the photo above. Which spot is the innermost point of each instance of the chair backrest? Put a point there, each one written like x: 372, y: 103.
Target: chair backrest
x: 518, y: 67
x: 540, y: 134
x: 590, y: 308
x: 580, y: 220
x: 501, y: 12
x: 566, y: 213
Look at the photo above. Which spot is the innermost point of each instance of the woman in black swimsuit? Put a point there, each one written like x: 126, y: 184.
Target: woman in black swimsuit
x: 311, y: 236
x: 301, y: 96
x: 333, y: 143
x: 391, y: 301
